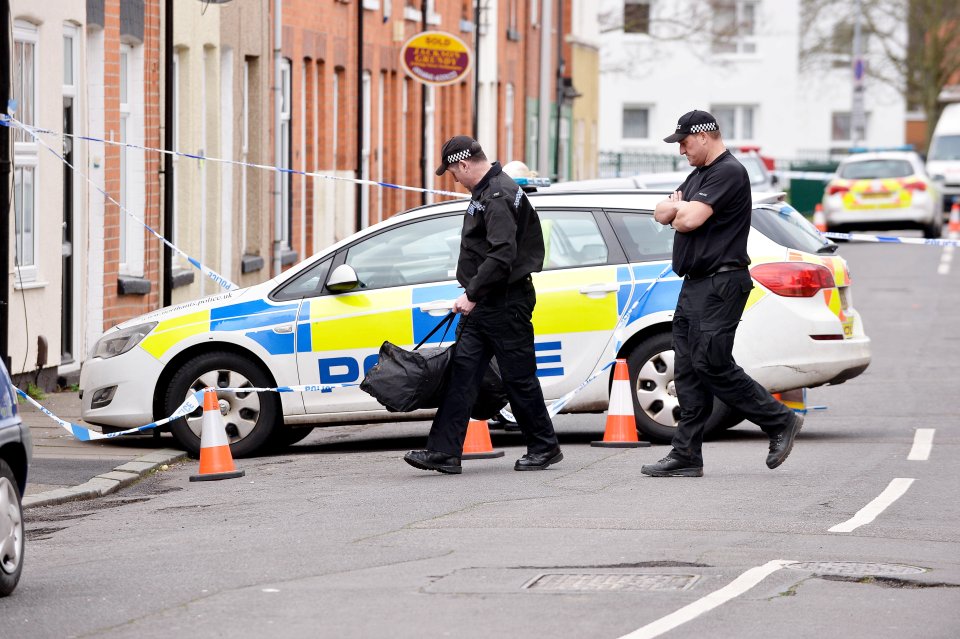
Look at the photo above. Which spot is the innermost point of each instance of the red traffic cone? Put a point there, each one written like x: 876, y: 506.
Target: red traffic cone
x: 953, y: 226
x: 216, y: 462
x: 621, y: 431
x: 478, y: 445
x: 819, y: 220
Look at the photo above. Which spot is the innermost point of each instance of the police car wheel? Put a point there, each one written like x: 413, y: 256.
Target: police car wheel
x: 655, y: 404
x: 250, y: 419
x: 11, y: 531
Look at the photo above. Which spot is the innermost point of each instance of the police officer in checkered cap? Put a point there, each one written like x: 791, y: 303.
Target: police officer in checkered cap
x: 501, y: 244
x: 711, y: 214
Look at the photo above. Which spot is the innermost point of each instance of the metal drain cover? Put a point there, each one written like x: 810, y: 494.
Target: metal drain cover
x: 618, y: 582
x: 855, y: 569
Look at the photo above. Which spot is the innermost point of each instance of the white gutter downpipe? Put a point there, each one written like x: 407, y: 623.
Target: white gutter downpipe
x: 546, y: 73
x: 277, y: 142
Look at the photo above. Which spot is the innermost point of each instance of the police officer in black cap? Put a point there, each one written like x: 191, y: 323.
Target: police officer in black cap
x: 501, y: 244
x: 711, y: 214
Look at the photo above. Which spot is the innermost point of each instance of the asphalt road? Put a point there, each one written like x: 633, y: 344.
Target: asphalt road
x: 340, y: 538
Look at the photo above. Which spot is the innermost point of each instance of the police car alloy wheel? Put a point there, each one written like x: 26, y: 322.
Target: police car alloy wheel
x: 250, y: 419
x: 655, y: 402
x: 11, y: 531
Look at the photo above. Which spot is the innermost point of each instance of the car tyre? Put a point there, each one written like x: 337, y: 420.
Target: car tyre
x: 250, y: 419
x: 655, y: 404
x: 11, y: 531
x: 934, y: 229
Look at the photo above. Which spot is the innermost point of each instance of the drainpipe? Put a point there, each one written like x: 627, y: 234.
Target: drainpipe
x: 543, y: 130
x: 360, y: 114
x: 4, y: 182
x: 168, y: 144
x: 277, y: 141
x: 423, y: 117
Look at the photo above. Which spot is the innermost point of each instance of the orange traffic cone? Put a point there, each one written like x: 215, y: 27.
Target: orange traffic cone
x: 621, y: 431
x: 953, y: 226
x: 477, y: 445
x: 216, y: 462
x: 819, y: 220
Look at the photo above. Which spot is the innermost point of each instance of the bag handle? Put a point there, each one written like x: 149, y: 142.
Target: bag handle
x: 448, y: 320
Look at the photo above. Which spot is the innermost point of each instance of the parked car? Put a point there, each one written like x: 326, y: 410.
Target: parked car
x: 883, y: 190
x: 943, y: 158
x: 761, y: 179
x: 323, y: 321
x: 16, y: 451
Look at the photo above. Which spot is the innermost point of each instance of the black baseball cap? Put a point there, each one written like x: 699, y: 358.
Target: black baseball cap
x: 457, y: 148
x: 692, y: 122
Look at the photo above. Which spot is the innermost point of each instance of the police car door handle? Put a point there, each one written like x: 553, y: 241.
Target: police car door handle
x: 283, y: 329
x: 437, y: 309
x: 599, y: 289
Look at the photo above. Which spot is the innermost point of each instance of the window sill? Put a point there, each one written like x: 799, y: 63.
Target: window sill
x: 182, y: 277
x: 132, y: 285
x: 28, y: 285
x: 251, y: 263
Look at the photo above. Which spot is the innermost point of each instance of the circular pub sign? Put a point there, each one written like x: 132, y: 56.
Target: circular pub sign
x: 435, y: 57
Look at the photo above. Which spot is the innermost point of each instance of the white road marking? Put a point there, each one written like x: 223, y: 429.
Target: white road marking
x: 922, y: 443
x: 737, y: 587
x: 945, y: 259
x: 868, y: 513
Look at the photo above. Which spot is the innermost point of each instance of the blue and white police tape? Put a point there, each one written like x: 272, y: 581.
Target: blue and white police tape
x: 554, y: 408
x: 194, y: 156
x: 189, y: 405
x: 884, y: 239
x: 206, y: 270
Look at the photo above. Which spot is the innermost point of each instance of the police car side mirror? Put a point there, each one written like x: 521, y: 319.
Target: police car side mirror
x: 343, y: 279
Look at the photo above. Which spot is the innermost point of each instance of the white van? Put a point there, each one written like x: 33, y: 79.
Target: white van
x: 943, y: 158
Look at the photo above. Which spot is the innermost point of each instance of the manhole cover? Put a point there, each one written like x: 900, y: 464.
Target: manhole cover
x: 855, y: 569
x: 613, y: 582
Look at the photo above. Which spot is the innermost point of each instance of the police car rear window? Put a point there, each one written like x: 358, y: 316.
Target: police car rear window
x: 787, y: 227
x: 875, y: 169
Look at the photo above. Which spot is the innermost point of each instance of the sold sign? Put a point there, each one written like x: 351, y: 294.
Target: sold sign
x: 435, y: 57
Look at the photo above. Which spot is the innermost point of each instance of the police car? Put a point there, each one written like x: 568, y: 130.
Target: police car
x: 607, y: 262
x: 883, y: 190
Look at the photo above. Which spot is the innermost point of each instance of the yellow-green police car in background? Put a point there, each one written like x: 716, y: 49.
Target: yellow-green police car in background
x: 323, y: 322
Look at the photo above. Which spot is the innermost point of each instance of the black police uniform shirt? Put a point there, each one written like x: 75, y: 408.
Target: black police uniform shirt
x: 502, y: 240
x: 722, y: 239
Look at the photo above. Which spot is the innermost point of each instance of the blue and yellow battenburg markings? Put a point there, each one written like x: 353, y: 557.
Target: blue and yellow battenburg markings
x: 364, y: 320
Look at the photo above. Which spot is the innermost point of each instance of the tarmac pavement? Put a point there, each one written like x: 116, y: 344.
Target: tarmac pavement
x: 67, y: 469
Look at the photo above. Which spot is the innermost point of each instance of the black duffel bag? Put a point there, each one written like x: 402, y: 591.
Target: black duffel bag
x: 404, y: 380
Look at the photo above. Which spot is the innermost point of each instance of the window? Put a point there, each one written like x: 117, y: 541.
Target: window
x: 734, y: 26
x: 636, y: 122
x: 26, y: 153
x: 636, y: 16
x: 840, y: 126
x: 875, y: 169
x: 132, y: 165
x: 571, y: 239
x: 308, y: 284
x: 24, y: 214
x: 736, y: 121
x: 423, y: 251
x: 643, y: 238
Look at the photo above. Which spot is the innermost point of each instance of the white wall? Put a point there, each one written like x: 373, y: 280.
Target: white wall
x: 674, y: 73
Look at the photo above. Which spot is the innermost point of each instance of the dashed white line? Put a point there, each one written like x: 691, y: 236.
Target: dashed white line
x: 735, y: 588
x: 946, y: 257
x: 922, y: 443
x: 868, y: 513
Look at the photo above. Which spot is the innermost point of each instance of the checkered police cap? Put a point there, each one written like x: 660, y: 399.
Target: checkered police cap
x: 457, y: 149
x: 693, y: 122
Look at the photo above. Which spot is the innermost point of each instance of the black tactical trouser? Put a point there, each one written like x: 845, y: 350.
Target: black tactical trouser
x: 499, y: 325
x: 704, y: 327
